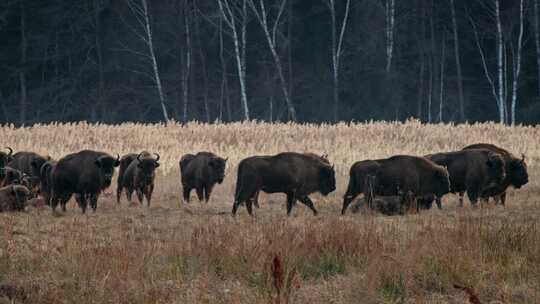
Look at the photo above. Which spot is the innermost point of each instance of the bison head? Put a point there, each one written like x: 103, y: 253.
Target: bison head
x: 517, y: 172
x: 218, y: 164
x: 495, y: 164
x: 36, y: 164
x: 147, y: 166
x: 20, y: 194
x: 327, y: 180
x: 441, y: 181
x: 5, y: 158
x: 106, y: 165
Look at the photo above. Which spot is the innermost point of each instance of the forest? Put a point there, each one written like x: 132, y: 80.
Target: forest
x: 269, y: 60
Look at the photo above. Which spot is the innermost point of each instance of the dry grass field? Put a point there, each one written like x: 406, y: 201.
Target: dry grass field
x: 198, y: 253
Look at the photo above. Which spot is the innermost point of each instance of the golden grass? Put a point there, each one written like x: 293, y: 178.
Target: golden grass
x: 198, y: 253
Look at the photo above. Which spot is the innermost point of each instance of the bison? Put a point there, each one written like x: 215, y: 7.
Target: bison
x: 516, y: 172
x: 86, y: 174
x: 387, y: 205
x: 139, y: 176
x: 5, y: 158
x: 404, y: 173
x: 201, y: 172
x: 295, y: 174
x: 474, y: 171
x: 30, y: 164
x: 13, y: 198
x: 125, y: 161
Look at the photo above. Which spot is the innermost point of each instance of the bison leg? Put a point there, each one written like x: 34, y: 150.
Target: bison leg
x: 207, y: 191
x: 200, y: 194
x: 256, y: 199
x: 290, y: 202
x: 129, y: 193
x: 140, y: 197
x: 503, y: 198
x: 473, y: 197
x: 461, y: 194
x: 347, y: 200
x: 93, y: 201
x: 438, y: 202
x: 307, y: 201
x: 148, y: 194
x: 81, y: 200
x: 118, y: 194
x: 249, y: 207
x: 187, y: 191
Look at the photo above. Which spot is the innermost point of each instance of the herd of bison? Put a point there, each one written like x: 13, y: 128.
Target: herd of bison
x: 391, y: 186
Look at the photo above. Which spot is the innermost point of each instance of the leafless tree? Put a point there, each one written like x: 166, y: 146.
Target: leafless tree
x: 22, y: 74
x: 458, y: 63
x: 230, y: 16
x: 390, y: 19
x: 517, y: 64
x: 337, y: 43
x: 141, y: 13
x: 262, y: 16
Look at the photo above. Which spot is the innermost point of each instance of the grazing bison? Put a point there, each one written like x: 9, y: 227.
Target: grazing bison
x: 125, y: 161
x: 85, y: 174
x: 13, y: 198
x: 45, y: 179
x: 139, y: 176
x: 404, y: 173
x: 295, y: 174
x: 201, y: 172
x: 516, y: 172
x: 474, y: 171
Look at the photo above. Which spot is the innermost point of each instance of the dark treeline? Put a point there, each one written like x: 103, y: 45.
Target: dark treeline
x: 275, y: 60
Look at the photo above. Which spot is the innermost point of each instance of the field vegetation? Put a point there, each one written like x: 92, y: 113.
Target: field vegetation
x: 198, y: 253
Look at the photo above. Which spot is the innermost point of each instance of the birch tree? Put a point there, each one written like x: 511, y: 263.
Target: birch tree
x: 230, y: 16
x: 500, y: 48
x: 389, y: 31
x: 22, y: 72
x: 517, y: 64
x: 261, y: 14
x: 537, y: 42
x: 141, y: 14
x: 337, y: 43
x: 186, y: 57
x: 458, y: 62
x: 441, y: 85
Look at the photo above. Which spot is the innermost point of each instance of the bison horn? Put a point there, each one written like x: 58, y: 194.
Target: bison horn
x: 117, y: 157
x: 325, y: 155
x: 226, y: 159
x: 139, y: 156
x: 522, y: 158
x: 157, y: 156
x: 10, y: 151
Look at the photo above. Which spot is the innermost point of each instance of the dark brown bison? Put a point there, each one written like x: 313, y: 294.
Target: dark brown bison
x: 516, y: 172
x: 30, y: 164
x: 201, y: 172
x: 45, y: 179
x: 5, y: 158
x: 13, y: 198
x: 86, y: 174
x: 474, y: 171
x: 125, y: 161
x: 322, y: 157
x: 139, y: 177
x: 295, y: 174
x: 398, y: 173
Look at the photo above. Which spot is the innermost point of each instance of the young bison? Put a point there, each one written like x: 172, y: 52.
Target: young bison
x: 139, y: 177
x: 201, y: 172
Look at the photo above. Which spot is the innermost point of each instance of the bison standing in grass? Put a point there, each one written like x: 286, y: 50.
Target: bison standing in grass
x: 13, y: 198
x: 30, y: 164
x: 86, y: 174
x: 516, y: 172
x: 45, y: 179
x: 201, y: 172
x: 398, y: 173
x: 473, y: 171
x: 125, y: 161
x: 5, y: 158
x: 295, y: 174
x: 139, y: 177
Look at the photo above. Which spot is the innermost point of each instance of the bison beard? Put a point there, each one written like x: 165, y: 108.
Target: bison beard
x: 84, y: 174
x: 398, y: 173
x: 516, y: 172
x: 139, y: 177
x: 201, y: 172
x: 295, y: 174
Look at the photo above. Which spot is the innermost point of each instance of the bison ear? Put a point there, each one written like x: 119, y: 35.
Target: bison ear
x: 156, y: 164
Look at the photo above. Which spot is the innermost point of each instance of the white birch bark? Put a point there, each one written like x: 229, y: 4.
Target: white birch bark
x: 458, y: 63
x: 230, y: 19
x: 441, y: 86
x: 390, y: 13
x: 517, y: 65
x: 499, y: 61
